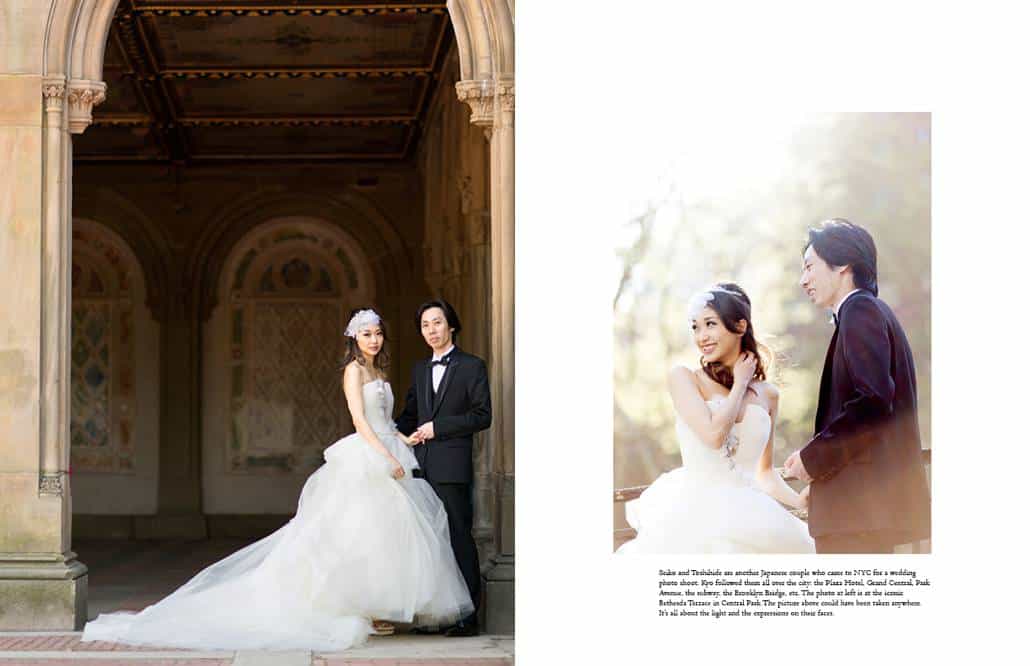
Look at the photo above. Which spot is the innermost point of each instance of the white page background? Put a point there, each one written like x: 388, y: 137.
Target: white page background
x: 604, y: 92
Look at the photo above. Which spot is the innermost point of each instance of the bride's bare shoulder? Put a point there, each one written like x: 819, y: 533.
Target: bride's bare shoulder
x: 768, y: 391
x: 680, y: 376
x: 353, y: 370
x: 681, y: 372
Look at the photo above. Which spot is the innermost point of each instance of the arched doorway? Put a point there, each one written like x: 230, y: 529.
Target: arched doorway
x: 115, y: 403
x: 55, y: 80
x: 272, y: 346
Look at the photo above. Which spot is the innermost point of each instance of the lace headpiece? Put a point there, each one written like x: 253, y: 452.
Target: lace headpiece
x: 363, y: 319
x: 700, y: 301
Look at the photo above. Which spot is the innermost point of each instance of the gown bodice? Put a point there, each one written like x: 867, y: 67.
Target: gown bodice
x: 736, y: 459
x: 378, y: 399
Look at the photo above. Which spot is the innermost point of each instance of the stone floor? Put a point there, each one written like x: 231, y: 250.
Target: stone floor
x: 59, y: 648
x: 130, y: 575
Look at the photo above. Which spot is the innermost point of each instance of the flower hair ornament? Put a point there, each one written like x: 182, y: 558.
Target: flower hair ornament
x: 362, y: 319
x: 700, y: 300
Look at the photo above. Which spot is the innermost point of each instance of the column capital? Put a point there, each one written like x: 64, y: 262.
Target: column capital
x: 83, y: 95
x: 506, y: 94
x: 479, y: 95
x: 506, y: 103
x: 53, y: 92
x: 51, y: 484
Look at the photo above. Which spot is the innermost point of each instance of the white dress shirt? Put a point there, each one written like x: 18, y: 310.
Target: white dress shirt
x: 438, y: 370
x: 836, y: 310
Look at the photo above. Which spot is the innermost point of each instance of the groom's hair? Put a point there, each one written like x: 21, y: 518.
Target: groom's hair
x: 842, y: 243
x: 449, y: 314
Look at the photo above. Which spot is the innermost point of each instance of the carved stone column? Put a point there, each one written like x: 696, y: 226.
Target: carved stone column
x: 493, y: 105
x: 42, y: 586
x: 56, y: 308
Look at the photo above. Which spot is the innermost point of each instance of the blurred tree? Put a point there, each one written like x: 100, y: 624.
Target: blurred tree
x: 871, y: 168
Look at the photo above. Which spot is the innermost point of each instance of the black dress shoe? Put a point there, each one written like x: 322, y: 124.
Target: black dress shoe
x: 463, y: 629
x: 427, y: 631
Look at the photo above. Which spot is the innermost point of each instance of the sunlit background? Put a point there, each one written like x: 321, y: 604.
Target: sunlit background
x: 735, y: 204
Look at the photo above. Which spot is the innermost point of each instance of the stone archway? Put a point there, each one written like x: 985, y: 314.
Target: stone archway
x: 284, y: 297
x: 115, y: 403
x: 52, y: 77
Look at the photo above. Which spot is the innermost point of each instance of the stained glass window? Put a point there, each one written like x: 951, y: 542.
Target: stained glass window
x: 102, y: 355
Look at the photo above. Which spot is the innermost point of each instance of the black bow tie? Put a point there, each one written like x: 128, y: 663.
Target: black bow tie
x: 443, y: 361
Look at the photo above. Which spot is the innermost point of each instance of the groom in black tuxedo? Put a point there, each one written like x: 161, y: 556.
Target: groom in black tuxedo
x: 868, y: 489
x: 448, y: 402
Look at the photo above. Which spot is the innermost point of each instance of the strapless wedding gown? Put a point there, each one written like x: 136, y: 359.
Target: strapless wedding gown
x: 362, y: 546
x: 711, y: 504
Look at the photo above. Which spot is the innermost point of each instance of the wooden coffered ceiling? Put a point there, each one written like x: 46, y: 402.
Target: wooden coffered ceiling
x: 196, y: 81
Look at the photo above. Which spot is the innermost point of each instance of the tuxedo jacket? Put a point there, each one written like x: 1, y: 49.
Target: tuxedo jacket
x: 458, y: 410
x: 865, y: 457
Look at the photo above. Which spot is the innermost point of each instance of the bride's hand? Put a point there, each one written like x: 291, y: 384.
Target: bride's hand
x: 397, y: 470
x: 744, y: 368
x: 804, y: 497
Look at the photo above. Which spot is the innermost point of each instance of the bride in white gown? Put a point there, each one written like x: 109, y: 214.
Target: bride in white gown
x: 368, y: 541
x: 726, y: 496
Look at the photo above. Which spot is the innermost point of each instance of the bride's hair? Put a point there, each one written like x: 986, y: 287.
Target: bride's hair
x: 381, y: 363
x: 731, y: 304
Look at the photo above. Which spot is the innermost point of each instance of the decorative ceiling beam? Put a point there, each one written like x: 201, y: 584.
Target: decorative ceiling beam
x: 156, y: 97
x: 301, y: 8
x: 429, y: 84
x: 435, y: 63
x: 338, y: 72
x: 157, y: 93
x: 414, y: 130
x: 294, y: 121
x: 133, y: 62
x: 249, y: 157
x: 123, y: 120
x: 304, y: 157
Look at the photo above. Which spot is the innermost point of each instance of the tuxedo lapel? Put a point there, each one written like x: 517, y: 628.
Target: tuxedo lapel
x: 826, y: 383
x: 445, y: 381
x: 425, y: 391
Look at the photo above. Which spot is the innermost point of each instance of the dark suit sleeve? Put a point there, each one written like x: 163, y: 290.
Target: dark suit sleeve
x: 478, y: 416
x: 865, y: 342
x: 408, y: 419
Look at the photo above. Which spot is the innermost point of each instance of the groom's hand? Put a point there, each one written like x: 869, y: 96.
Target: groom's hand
x: 795, y: 468
x: 425, y: 431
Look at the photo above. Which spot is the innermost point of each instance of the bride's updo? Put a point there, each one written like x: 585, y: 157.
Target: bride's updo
x: 731, y: 304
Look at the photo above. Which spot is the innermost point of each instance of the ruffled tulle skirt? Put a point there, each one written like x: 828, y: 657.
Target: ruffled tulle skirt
x: 693, y: 513
x: 362, y: 546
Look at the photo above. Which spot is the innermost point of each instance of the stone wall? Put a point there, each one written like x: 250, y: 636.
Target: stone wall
x: 182, y: 224
x: 454, y: 163
x: 422, y: 230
